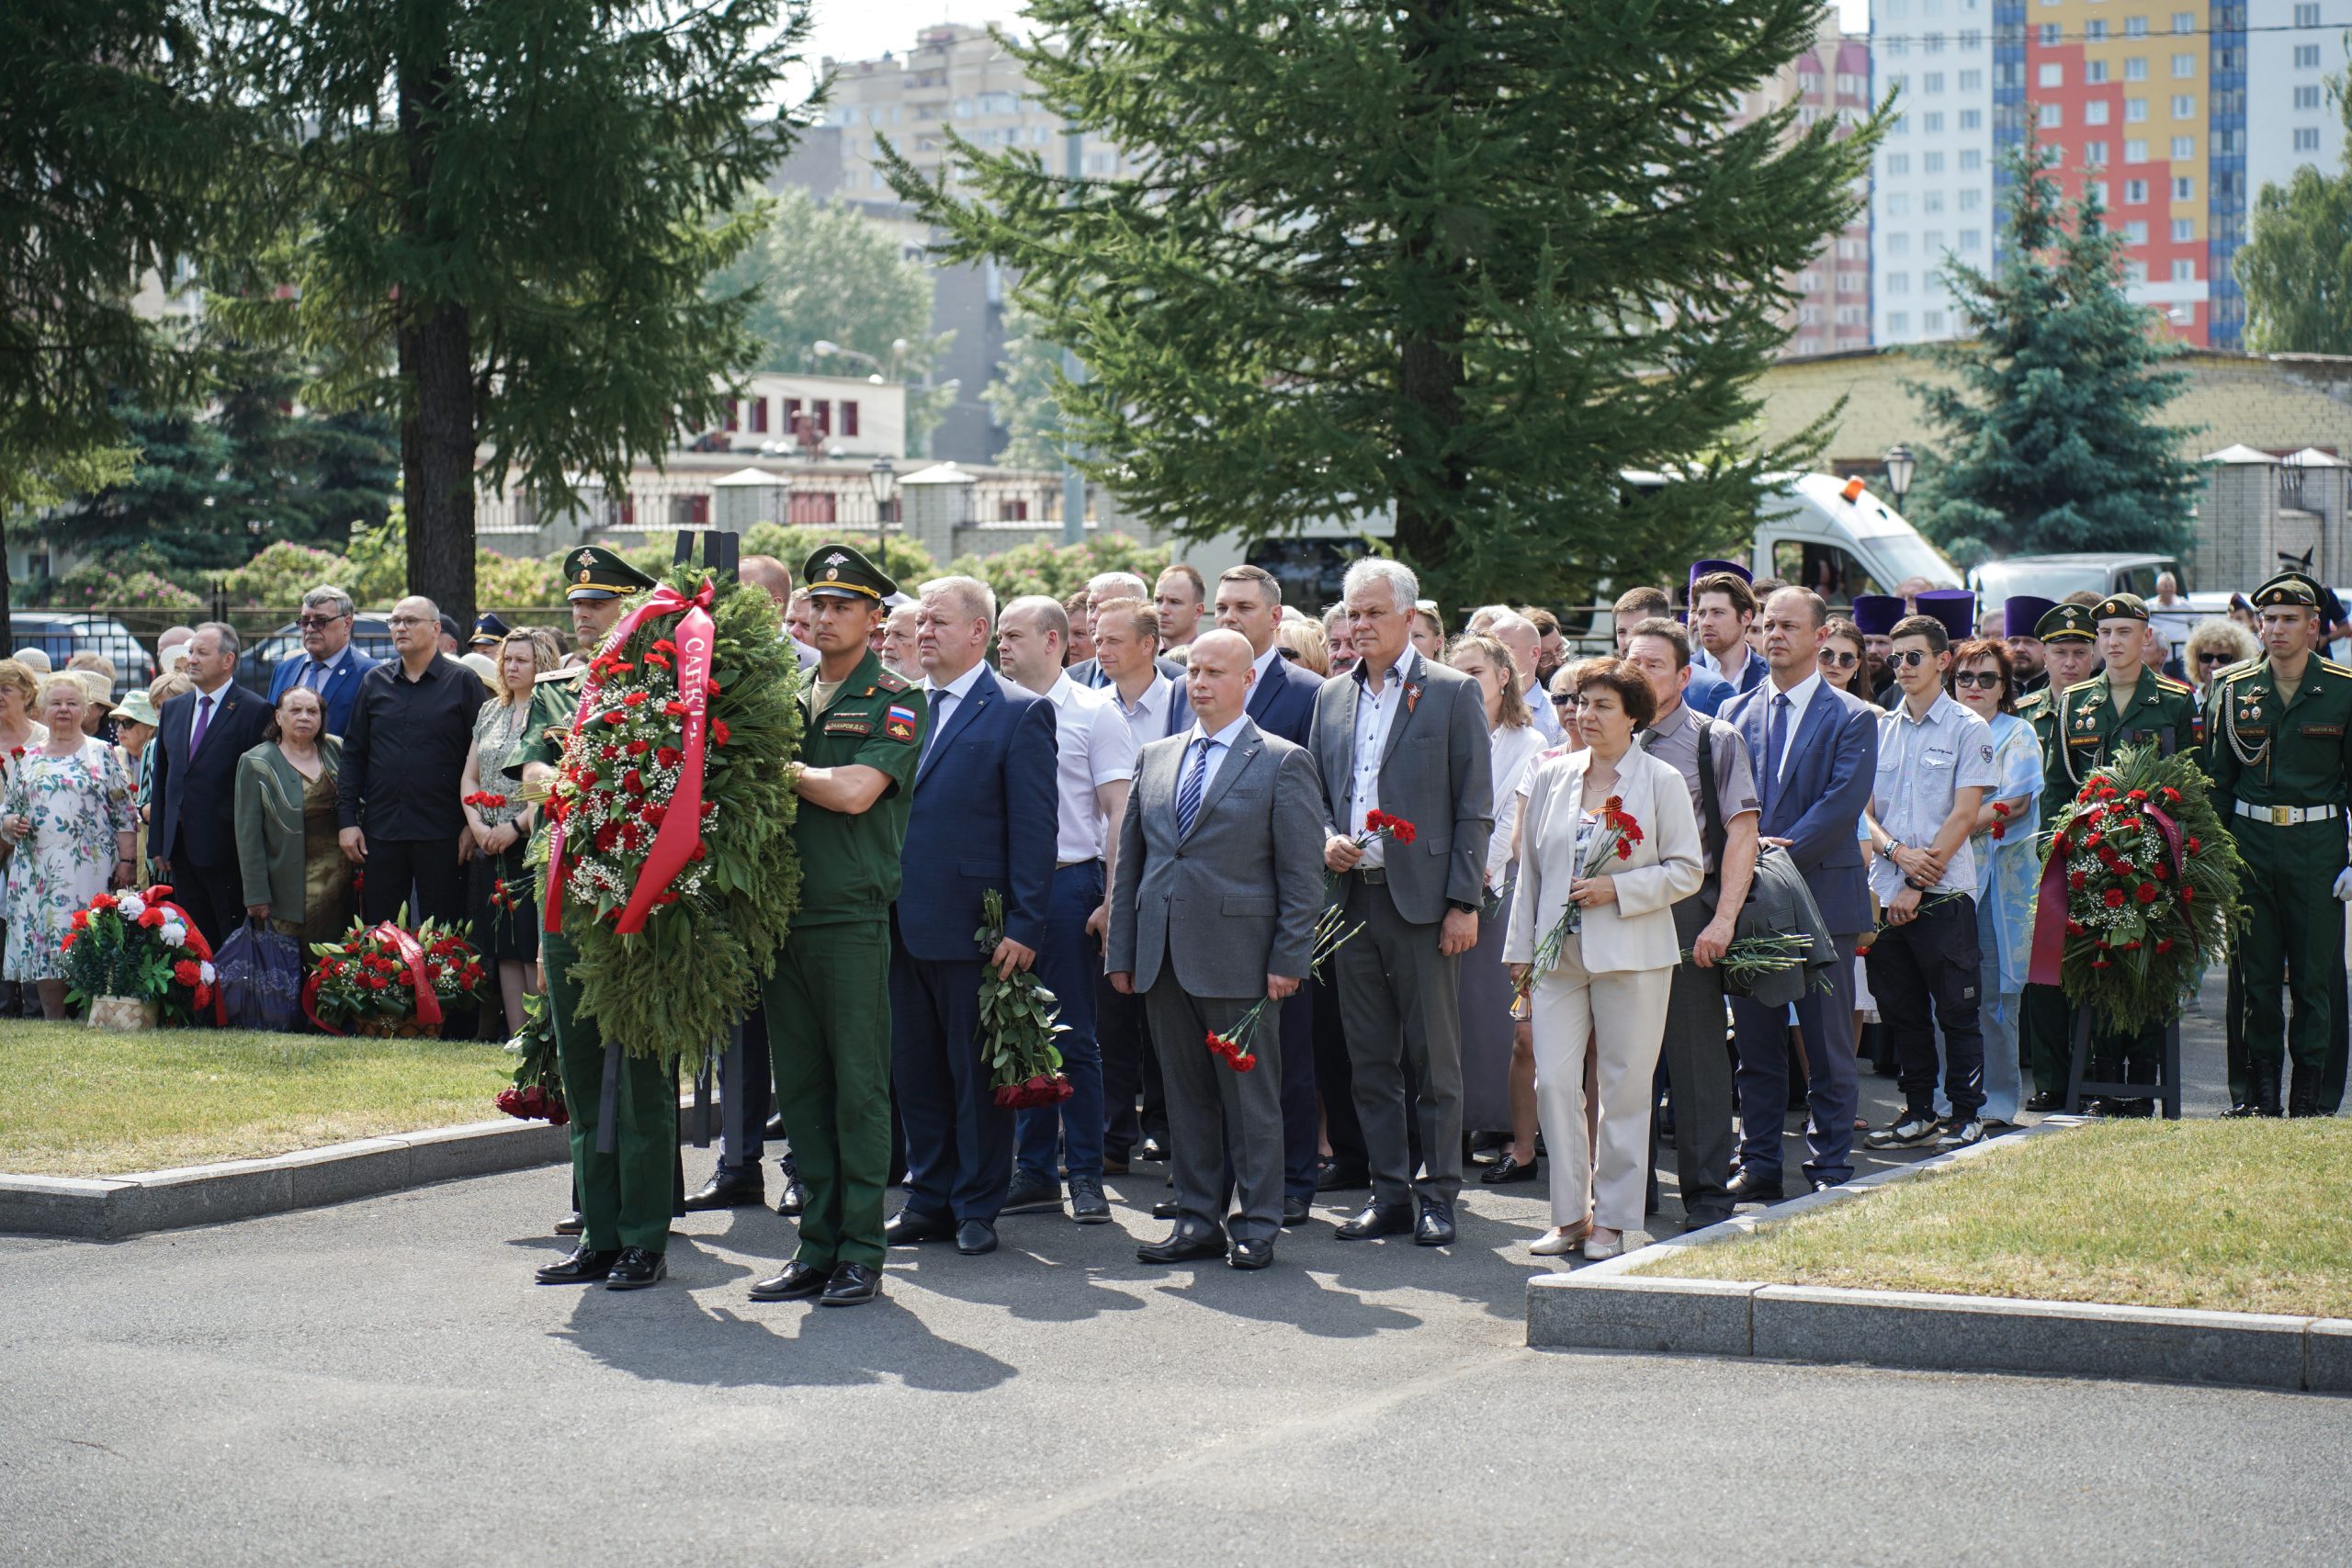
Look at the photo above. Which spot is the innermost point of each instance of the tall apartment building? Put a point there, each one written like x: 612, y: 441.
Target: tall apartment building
x: 1931, y: 179
x: 1830, y: 80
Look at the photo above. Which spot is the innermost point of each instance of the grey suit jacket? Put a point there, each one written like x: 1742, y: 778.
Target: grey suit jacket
x: 1235, y: 900
x: 1436, y: 772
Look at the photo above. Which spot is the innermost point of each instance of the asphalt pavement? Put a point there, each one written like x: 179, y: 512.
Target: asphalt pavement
x: 381, y: 1383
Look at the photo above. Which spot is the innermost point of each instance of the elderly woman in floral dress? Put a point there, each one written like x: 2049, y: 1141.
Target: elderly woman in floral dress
x: 67, y: 817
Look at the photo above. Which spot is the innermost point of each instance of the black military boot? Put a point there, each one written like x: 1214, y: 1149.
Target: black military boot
x: 2302, y: 1099
x: 2263, y: 1088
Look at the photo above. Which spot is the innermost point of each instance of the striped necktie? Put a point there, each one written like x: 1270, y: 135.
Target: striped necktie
x: 1188, y: 796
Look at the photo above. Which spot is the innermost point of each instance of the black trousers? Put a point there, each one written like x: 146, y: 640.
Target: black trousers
x: 1933, y: 960
x: 1335, y: 1080
x: 214, y: 897
x: 1129, y: 1067
x: 421, y: 873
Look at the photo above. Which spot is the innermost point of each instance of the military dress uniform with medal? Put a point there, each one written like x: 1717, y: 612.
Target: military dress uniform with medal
x: 627, y: 1191
x: 2280, y: 752
x: 828, y: 1003
x: 2089, y: 729
x: 2045, y: 1037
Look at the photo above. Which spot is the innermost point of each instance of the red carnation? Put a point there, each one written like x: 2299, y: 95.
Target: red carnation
x: 2164, y: 946
x: 151, y: 915
x: 376, y: 982
x: 2147, y: 892
x: 2079, y: 880
x: 608, y: 751
x: 674, y: 709
x: 653, y: 814
x: 719, y: 734
x: 639, y: 748
x: 617, y: 716
x: 80, y: 920
x: 1624, y: 850
x: 669, y: 757
x: 187, y: 973
x: 2115, y: 898
x: 2187, y: 895
x: 634, y: 781
x: 633, y: 698
x: 2194, y: 846
x: 2074, y: 928
x: 67, y: 945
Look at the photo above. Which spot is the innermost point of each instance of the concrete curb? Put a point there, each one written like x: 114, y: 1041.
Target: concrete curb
x: 105, y: 1208
x: 1607, y: 1307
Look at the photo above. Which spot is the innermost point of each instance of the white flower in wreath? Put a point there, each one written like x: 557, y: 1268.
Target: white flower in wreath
x: 130, y: 905
x: 205, y: 971
x: 174, y: 934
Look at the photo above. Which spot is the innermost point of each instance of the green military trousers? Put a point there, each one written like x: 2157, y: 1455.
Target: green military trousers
x: 625, y: 1196
x: 829, y: 1032
x: 2294, y: 942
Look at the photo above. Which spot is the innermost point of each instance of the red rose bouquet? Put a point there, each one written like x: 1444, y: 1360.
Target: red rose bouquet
x: 386, y: 980
x: 138, y: 944
x: 536, y: 1094
x: 1019, y: 1019
x: 2139, y: 888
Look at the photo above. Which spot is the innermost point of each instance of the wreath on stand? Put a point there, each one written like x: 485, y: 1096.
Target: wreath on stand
x: 2139, y: 890
x: 669, y: 862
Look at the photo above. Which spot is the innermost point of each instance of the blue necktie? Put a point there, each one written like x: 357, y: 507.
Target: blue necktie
x: 1776, y: 741
x: 1188, y: 796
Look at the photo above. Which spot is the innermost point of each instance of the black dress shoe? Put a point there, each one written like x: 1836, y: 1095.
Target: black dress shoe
x: 1152, y: 1149
x: 1182, y: 1247
x: 1087, y: 1204
x: 584, y: 1266
x: 1167, y: 1208
x: 1033, y: 1195
x: 1747, y: 1187
x: 728, y: 1189
x: 853, y: 1284
x: 1435, y: 1228
x: 1337, y: 1178
x: 635, y: 1268
x: 1506, y: 1171
x: 906, y: 1227
x: 1296, y: 1212
x: 798, y: 1279
x: 1250, y: 1254
x: 2042, y: 1102
x: 974, y: 1238
x: 794, y: 1202
x: 1377, y: 1219
x: 571, y: 1225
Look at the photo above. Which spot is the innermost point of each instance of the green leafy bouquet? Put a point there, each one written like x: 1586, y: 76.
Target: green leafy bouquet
x: 1018, y: 1020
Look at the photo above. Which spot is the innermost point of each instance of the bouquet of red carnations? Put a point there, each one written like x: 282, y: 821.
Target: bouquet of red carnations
x: 536, y: 1094
x: 137, y: 944
x: 386, y: 980
x: 1019, y: 1019
x: 1613, y: 838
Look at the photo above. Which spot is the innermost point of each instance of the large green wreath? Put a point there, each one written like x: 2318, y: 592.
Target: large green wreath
x: 670, y: 989
x: 2151, y: 875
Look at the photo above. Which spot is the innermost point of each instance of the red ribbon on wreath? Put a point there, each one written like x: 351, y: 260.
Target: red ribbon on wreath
x: 428, y: 1006
x: 673, y: 844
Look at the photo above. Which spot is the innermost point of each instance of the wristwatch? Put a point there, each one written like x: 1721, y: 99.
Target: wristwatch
x: 1458, y: 903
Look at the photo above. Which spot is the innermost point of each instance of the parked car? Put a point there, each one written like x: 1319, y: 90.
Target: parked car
x: 262, y: 656
x: 62, y: 634
x: 2055, y: 577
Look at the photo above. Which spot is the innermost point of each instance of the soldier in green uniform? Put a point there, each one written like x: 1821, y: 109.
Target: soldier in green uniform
x: 829, y: 1002
x: 2278, y: 749
x: 2127, y: 704
x: 625, y: 1191
x: 2070, y: 652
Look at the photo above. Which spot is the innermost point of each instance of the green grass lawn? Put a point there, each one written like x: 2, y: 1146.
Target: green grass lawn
x: 2238, y: 1216
x: 80, y: 1101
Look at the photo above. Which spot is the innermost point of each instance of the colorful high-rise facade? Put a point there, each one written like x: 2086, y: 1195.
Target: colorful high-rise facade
x: 1830, y: 80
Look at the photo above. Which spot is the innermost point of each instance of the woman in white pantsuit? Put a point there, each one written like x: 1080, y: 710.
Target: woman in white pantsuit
x: 1608, y: 993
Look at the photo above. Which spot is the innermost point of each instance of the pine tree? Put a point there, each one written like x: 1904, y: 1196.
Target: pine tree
x: 1466, y: 259
x: 495, y: 219
x: 2296, y: 266
x: 2054, y: 439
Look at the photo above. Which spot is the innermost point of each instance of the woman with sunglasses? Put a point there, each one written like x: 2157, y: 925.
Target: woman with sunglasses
x: 2212, y: 648
x: 2007, y: 864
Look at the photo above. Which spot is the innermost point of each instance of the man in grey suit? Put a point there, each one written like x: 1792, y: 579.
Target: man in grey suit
x: 1219, y: 885
x: 1408, y: 738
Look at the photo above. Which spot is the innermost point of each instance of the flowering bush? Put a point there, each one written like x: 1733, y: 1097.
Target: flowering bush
x: 384, y: 979
x: 2149, y: 882
x: 138, y: 944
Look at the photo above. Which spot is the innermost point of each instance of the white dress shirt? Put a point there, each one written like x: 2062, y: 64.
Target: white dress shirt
x: 1800, y: 694
x: 1221, y: 746
x: 944, y: 699
x: 1374, y: 716
x: 1093, y: 747
x: 1737, y: 672
x: 1149, y: 719
x: 1263, y: 665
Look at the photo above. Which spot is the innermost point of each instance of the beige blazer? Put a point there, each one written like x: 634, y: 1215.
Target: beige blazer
x: 1636, y: 931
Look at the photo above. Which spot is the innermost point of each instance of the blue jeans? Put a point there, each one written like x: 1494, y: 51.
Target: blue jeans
x: 1069, y: 965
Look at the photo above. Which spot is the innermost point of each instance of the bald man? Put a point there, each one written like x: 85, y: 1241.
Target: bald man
x: 773, y: 575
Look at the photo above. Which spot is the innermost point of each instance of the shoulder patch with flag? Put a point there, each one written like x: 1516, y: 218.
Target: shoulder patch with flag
x: 900, y: 723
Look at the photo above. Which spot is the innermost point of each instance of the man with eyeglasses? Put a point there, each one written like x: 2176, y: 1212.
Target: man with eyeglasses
x: 328, y: 664
x: 2127, y: 704
x: 1935, y: 762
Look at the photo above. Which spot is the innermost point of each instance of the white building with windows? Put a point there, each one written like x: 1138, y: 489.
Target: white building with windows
x: 2294, y: 49
x: 1931, y: 186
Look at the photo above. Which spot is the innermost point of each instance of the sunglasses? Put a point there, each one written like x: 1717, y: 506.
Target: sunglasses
x: 1909, y: 659
x: 2212, y: 659
x: 1982, y: 679
x: 1837, y: 661
x: 1568, y: 702
x: 312, y: 623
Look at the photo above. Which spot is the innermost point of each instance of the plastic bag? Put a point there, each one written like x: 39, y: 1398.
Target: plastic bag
x: 260, y: 978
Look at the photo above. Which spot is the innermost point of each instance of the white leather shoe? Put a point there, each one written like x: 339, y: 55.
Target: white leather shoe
x: 1559, y: 1243
x: 1596, y: 1250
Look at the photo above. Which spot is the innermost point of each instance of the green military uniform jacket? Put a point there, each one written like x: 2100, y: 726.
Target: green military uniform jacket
x: 2267, y: 753
x: 850, y: 863
x: 2087, y: 730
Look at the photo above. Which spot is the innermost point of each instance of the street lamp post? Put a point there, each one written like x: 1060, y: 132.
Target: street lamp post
x: 1900, y: 467
x: 880, y: 476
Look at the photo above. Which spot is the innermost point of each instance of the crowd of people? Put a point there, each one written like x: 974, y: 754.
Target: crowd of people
x: 1329, y: 902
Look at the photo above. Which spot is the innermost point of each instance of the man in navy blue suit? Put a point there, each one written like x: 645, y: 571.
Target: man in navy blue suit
x: 328, y: 664
x: 1816, y: 751
x: 195, y: 790
x: 985, y: 816
x: 1282, y: 703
